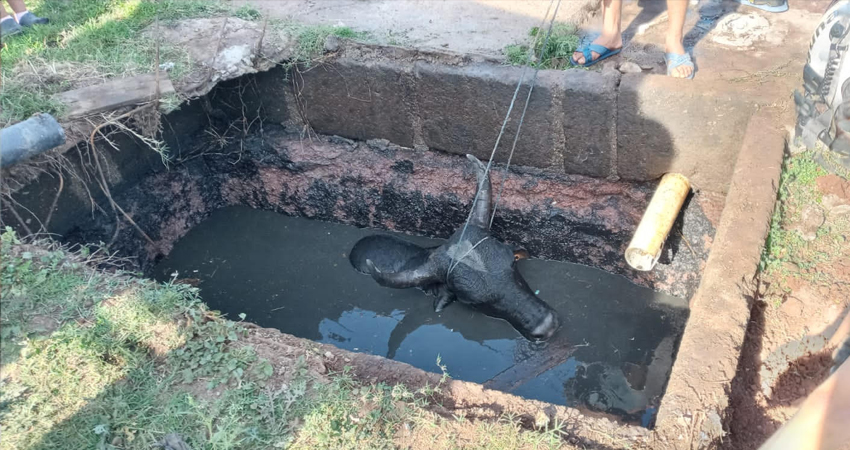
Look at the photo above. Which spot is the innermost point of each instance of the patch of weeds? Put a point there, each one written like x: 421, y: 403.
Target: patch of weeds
x: 802, y: 171
x: 311, y: 40
x: 348, y: 415
x: 247, y: 12
x: 563, y: 42
x: 505, y: 433
x: 32, y: 287
x: 785, y: 252
x: 209, y: 352
x: 516, y: 54
x: 19, y: 101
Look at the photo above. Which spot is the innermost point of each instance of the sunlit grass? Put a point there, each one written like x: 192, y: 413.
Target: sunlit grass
x: 86, y: 42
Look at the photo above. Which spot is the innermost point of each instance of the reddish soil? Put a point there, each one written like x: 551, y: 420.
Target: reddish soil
x: 835, y: 185
x: 788, y: 348
x: 755, y: 415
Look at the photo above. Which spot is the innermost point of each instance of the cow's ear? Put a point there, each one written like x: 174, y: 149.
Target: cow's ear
x: 520, y: 253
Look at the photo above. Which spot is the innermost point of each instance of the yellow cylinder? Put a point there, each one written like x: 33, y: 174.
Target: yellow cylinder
x: 657, y: 221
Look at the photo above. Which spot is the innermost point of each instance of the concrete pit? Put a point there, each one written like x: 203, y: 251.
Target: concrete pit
x: 373, y: 138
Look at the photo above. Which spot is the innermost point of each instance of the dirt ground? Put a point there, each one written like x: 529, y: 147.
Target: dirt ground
x: 800, y: 316
x: 480, y: 26
x: 766, y: 59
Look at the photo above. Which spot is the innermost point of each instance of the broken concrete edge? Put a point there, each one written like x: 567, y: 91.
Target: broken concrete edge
x: 353, y: 49
x: 711, y: 345
x: 261, y: 50
x: 448, y: 397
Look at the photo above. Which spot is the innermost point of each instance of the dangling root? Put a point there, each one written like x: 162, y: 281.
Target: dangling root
x: 104, y: 185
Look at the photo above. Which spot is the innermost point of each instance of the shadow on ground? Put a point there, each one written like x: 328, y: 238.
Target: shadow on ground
x: 749, y: 420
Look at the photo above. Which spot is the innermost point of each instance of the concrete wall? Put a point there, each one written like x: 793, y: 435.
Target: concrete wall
x: 601, y: 124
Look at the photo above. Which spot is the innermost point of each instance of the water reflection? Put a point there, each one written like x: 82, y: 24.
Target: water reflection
x: 612, y: 355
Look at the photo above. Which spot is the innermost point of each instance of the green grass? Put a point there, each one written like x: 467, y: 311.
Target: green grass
x: 786, y: 253
x: 796, y: 189
x: 87, y: 40
x: 563, y: 42
x: 94, y: 359
x: 112, y: 365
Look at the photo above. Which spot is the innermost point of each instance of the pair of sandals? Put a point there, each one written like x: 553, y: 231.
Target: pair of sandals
x: 10, y: 27
x: 673, y: 60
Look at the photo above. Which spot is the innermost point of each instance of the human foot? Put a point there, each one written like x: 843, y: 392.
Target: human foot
x: 679, y: 63
x: 8, y: 27
x: 29, y: 19
x: 612, y: 42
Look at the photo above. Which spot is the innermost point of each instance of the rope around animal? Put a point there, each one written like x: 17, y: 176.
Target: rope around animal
x: 505, y: 123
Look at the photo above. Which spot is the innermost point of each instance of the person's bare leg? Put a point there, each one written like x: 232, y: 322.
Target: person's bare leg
x: 821, y: 422
x: 611, y: 37
x: 23, y: 16
x: 676, y: 12
x: 3, y: 13
x: 17, y: 5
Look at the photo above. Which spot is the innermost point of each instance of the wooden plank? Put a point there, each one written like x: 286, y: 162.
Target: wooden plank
x: 113, y: 94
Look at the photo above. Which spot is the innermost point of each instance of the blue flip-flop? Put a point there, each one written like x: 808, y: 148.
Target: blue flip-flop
x: 604, y: 52
x: 675, y: 60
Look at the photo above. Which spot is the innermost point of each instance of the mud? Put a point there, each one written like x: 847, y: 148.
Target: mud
x: 558, y: 217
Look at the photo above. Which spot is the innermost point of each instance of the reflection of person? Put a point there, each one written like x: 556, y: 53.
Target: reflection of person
x: 610, y: 42
x: 10, y: 25
x: 821, y: 422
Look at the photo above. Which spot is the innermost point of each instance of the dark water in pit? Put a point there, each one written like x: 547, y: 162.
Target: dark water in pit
x: 613, y: 353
